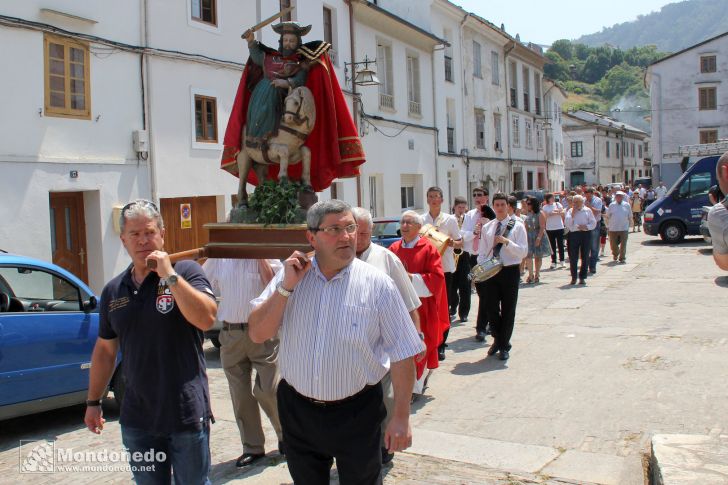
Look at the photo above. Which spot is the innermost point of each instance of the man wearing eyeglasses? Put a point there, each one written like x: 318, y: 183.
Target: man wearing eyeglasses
x: 157, y: 317
x: 339, y: 321
x: 473, y: 223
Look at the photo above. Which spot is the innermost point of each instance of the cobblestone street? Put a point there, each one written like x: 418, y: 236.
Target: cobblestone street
x: 594, y: 372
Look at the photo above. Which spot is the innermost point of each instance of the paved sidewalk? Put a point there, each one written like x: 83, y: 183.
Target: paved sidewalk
x: 595, y: 371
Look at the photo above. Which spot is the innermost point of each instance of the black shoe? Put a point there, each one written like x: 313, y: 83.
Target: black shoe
x: 463, y: 319
x: 592, y: 271
x: 387, y: 457
x: 247, y: 459
x: 440, y: 354
x: 492, y: 350
x: 504, y: 355
x: 582, y: 281
x: 281, y: 448
x: 573, y: 281
x: 480, y: 336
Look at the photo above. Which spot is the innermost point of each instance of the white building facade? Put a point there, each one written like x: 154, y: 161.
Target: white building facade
x: 689, y: 102
x: 601, y: 150
x: 67, y: 158
x: 115, y: 102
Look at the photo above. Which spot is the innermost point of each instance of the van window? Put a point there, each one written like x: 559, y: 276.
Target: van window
x: 696, y: 184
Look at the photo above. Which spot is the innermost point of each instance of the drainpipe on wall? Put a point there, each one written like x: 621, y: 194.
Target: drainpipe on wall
x: 461, y: 36
x: 146, y: 95
x: 354, y: 104
x: 508, y: 117
x: 434, y: 120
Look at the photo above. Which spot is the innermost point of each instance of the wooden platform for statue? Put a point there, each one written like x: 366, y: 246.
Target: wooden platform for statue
x: 255, y: 241
x: 248, y: 241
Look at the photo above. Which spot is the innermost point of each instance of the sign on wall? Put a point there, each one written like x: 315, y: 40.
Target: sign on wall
x: 185, y: 216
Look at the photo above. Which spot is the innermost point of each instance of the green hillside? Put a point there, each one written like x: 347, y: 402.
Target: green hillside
x: 604, y: 79
x: 675, y: 27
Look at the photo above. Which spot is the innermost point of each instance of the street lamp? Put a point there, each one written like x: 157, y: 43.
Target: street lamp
x: 362, y: 77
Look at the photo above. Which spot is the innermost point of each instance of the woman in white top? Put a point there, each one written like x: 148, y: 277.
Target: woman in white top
x: 555, y: 213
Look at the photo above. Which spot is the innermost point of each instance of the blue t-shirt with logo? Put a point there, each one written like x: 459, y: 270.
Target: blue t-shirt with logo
x: 162, y: 357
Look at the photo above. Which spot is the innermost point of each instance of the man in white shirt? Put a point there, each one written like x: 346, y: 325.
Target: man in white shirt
x: 339, y: 320
x: 554, y: 227
x: 387, y: 262
x: 238, y: 281
x: 501, y: 291
x: 581, y: 223
x: 619, y: 214
x: 474, y: 221
x: 718, y: 217
x: 594, y: 203
x: 448, y: 225
x: 661, y: 190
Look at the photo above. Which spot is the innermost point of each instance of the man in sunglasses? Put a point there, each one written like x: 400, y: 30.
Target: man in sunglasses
x: 156, y: 313
x: 473, y: 223
x: 339, y: 320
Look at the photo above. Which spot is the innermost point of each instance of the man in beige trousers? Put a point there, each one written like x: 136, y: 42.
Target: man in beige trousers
x: 238, y: 282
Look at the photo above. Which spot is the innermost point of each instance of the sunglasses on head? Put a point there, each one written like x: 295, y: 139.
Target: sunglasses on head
x: 142, y: 202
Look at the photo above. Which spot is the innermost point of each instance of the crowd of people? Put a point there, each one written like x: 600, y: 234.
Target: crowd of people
x: 340, y: 342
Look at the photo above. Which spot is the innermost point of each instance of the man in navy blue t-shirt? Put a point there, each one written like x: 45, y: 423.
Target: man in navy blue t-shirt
x: 157, y: 317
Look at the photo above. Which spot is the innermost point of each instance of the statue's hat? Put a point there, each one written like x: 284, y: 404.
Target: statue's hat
x: 291, y: 28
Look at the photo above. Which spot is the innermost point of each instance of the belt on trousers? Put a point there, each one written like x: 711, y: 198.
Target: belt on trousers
x: 234, y: 326
x: 318, y: 402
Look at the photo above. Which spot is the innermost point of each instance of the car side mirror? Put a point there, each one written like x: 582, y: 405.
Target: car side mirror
x: 90, y: 304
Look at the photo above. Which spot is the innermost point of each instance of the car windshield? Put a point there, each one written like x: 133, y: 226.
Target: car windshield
x: 386, y: 229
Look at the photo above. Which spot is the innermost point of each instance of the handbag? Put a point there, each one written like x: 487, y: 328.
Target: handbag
x: 492, y: 266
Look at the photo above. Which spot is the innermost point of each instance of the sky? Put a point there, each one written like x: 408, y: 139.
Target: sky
x: 543, y: 22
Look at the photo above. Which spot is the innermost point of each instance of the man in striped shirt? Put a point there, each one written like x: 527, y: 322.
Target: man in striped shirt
x: 339, y: 320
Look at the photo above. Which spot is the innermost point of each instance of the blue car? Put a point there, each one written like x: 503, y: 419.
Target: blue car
x: 386, y: 231
x: 49, y: 322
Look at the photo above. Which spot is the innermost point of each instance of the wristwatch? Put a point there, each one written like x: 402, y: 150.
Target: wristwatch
x: 93, y: 402
x: 282, y: 291
x: 172, y: 279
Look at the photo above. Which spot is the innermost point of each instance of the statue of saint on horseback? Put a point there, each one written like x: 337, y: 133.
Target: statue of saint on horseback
x: 290, y: 120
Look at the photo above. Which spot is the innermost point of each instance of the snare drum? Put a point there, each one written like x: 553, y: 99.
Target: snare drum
x: 440, y: 240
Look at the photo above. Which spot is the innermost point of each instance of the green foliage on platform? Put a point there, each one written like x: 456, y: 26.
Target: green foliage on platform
x: 277, y: 203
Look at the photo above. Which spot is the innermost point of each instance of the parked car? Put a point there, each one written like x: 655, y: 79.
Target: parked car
x: 704, y: 230
x: 645, y: 182
x: 679, y: 213
x: 49, y: 323
x: 522, y: 194
x: 386, y: 231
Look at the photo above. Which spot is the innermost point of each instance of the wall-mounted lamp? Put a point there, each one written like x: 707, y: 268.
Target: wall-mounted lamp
x: 361, y: 77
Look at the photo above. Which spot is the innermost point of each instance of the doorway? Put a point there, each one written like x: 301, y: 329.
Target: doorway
x: 68, y: 232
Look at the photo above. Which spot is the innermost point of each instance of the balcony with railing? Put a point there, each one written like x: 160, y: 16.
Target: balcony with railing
x: 451, y: 140
x: 386, y: 101
x: 415, y: 108
x: 514, y: 99
x: 448, y: 69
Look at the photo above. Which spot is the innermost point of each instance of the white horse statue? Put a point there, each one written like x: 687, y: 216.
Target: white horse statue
x: 285, y: 148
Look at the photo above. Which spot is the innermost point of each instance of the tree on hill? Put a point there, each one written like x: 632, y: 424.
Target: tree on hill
x: 675, y: 27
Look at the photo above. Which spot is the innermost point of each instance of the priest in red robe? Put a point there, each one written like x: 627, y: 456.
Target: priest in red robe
x: 424, y: 265
x: 336, y: 150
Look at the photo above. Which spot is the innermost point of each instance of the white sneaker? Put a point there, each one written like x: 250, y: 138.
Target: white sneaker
x: 553, y: 266
x: 561, y: 264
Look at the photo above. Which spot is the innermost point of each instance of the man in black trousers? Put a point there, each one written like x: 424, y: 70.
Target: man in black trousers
x: 503, y: 237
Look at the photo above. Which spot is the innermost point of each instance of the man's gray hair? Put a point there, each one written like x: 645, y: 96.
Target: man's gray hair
x: 319, y: 210
x: 140, y: 208
x: 578, y: 198
x: 418, y: 219
x: 361, y: 214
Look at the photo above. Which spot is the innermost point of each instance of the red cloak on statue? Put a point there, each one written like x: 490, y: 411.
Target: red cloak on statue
x: 424, y: 259
x: 336, y: 150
